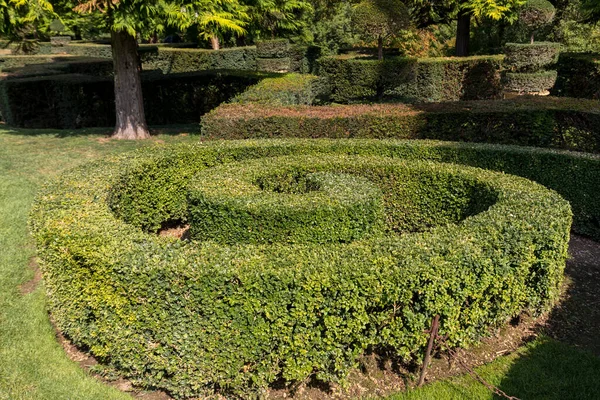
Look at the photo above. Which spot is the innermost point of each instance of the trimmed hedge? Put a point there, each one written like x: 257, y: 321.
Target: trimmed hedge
x: 289, y: 89
x: 540, y: 121
x: 530, y: 57
x: 270, y: 202
x: 76, y: 100
x: 413, y: 80
x: 578, y: 75
x: 533, y: 82
x: 274, y: 64
x: 277, y: 48
x: 199, y: 318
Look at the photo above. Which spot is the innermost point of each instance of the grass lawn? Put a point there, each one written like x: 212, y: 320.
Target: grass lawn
x: 34, y: 366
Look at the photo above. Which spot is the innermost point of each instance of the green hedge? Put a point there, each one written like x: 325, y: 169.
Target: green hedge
x: 530, y: 82
x: 578, y: 75
x: 413, y: 80
x: 76, y: 100
x: 272, y: 202
x: 289, y: 89
x: 541, y: 121
x: 277, y: 48
x: 530, y: 57
x: 197, y: 318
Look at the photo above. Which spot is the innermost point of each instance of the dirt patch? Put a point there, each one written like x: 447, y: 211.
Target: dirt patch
x: 29, y: 286
x: 576, y: 320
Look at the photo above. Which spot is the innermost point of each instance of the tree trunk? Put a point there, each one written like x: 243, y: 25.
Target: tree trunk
x: 214, y: 43
x: 380, y: 48
x: 532, y: 33
x: 463, y: 33
x: 129, y: 102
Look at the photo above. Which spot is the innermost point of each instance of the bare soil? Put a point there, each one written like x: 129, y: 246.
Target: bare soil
x: 575, y: 320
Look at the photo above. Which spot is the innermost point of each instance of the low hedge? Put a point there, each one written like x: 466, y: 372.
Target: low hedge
x: 530, y: 57
x: 200, y: 317
x: 76, y: 100
x: 540, y: 121
x: 289, y: 89
x: 271, y: 202
x: 578, y: 75
x: 274, y: 64
x: 412, y: 80
x: 532, y: 82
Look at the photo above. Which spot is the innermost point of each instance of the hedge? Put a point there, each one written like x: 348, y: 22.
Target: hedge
x: 413, y: 80
x: 200, y: 317
x: 269, y: 202
x: 289, y: 89
x: 578, y: 75
x: 533, y: 82
x: 569, y: 124
x: 277, y: 48
x: 530, y: 57
x: 76, y: 100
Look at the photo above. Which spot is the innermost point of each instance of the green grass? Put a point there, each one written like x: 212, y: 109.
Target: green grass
x: 34, y: 366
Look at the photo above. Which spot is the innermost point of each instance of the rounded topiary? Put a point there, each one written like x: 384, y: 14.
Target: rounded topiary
x: 536, y: 14
x: 254, y: 204
x: 380, y: 20
x: 534, y: 82
x: 195, y: 317
x: 530, y: 57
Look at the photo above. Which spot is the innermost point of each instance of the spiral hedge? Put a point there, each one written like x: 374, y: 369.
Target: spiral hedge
x: 204, y: 316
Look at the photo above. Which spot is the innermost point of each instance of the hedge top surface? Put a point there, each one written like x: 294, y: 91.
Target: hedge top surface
x: 193, y: 318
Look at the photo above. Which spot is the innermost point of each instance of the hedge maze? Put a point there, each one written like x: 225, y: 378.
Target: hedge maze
x: 275, y: 295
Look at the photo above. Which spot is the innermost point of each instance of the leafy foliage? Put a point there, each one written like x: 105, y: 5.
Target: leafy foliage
x: 203, y: 317
x: 536, y: 14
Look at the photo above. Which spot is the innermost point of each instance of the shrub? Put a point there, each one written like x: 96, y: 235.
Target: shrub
x: 535, y: 14
x: 289, y: 89
x: 178, y: 60
x: 202, y: 317
x: 530, y: 57
x: 533, y: 82
x: 578, y: 76
x: 542, y: 122
x: 75, y: 100
x: 412, y: 80
x: 273, y: 64
x: 277, y: 48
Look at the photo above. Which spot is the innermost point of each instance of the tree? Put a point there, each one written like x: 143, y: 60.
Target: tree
x: 21, y: 20
x: 214, y: 17
x: 536, y: 14
x: 126, y: 19
x: 591, y: 10
x: 380, y: 20
x: 427, y: 12
x: 278, y: 17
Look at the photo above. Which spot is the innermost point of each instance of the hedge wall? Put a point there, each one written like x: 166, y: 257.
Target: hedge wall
x: 289, y: 89
x: 413, y: 80
x: 201, y: 317
x: 578, y: 76
x: 77, y: 101
x: 540, y: 121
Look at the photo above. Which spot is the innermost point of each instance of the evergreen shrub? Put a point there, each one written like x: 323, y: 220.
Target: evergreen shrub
x: 530, y: 57
x: 289, y: 89
x: 195, y: 318
x: 411, y: 79
x: 530, y: 82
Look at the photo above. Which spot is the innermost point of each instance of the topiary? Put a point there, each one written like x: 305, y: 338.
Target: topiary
x: 379, y: 20
x: 536, y: 14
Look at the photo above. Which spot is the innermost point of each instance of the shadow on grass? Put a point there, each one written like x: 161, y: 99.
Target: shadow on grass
x: 169, y: 130
x: 552, y: 370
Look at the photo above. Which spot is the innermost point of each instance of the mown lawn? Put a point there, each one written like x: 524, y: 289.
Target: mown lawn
x: 34, y: 366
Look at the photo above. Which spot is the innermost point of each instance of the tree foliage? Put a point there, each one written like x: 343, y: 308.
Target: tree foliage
x: 535, y: 14
x: 380, y: 20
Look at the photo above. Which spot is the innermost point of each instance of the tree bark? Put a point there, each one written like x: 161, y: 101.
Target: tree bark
x: 463, y: 33
x: 380, y: 48
x: 214, y: 42
x: 129, y: 102
x: 532, y: 34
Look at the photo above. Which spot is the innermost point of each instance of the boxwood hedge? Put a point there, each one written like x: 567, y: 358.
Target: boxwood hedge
x: 202, y: 317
